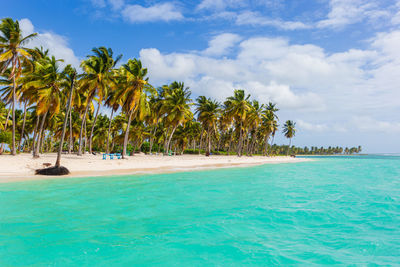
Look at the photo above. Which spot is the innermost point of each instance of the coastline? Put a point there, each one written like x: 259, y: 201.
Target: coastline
x: 22, y: 166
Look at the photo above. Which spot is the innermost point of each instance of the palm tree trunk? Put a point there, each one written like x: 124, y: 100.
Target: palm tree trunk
x: 219, y: 142
x: 170, y: 137
x: 201, y: 141
x: 85, y: 143
x: 13, y: 150
x: 39, y: 141
x: 23, y: 127
x: 209, y: 144
x: 272, y: 142
x: 94, y: 123
x: 166, y: 140
x: 7, y: 118
x: 152, y: 139
x: 65, y: 125
x: 230, y: 144
x: 247, y: 144
x: 5, y: 128
x: 265, y: 145
x: 81, y: 130
x: 108, y: 132
x: 126, y: 137
x: 290, y: 142
x: 35, y: 134
x: 42, y: 142
x: 239, y: 149
x: 70, y: 130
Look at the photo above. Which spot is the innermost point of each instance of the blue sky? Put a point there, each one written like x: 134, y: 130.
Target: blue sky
x: 331, y: 65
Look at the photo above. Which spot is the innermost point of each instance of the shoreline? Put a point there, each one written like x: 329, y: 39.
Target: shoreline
x: 21, y: 167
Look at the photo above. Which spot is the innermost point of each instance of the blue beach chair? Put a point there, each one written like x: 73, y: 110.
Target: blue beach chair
x: 118, y: 155
x: 111, y: 156
x: 104, y: 156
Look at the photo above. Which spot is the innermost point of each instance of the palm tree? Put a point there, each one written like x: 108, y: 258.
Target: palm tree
x: 97, y: 80
x: 47, y: 81
x: 69, y: 75
x: 13, y: 53
x: 208, y: 111
x: 237, y: 107
x: 176, y: 105
x: 289, y: 131
x: 134, y: 78
x: 253, y: 122
x: 267, y: 128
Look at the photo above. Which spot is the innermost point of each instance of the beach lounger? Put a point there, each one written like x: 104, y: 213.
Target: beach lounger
x: 111, y: 156
x: 118, y: 155
x: 104, y: 156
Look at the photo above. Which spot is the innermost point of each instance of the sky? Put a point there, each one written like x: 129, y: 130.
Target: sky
x: 332, y: 66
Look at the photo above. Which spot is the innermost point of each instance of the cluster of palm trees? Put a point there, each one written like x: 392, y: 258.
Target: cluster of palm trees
x: 59, y: 102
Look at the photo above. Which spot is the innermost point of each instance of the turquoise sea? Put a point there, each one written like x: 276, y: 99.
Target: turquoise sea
x: 334, y: 210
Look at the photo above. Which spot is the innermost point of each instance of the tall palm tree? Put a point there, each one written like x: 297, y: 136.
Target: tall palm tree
x: 176, y: 106
x: 267, y: 128
x: 134, y: 78
x: 289, y: 131
x: 208, y: 111
x: 97, y: 80
x: 13, y: 53
x: 237, y: 107
x: 47, y: 81
x: 69, y: 76
x: 269, y: 124
x: 253, y: 122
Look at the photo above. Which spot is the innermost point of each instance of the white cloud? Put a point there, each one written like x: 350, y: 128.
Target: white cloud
x: 251, y: 69
x: 220, y: 4
x: 345, y: 12
x: 57, y: 44
x: 314, y: 127
x: 371, y: 125
x: 256, y: 19
x: 221, y: 44
x: 157, y: 12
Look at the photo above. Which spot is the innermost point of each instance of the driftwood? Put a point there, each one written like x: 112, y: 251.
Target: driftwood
x: 53, y: 171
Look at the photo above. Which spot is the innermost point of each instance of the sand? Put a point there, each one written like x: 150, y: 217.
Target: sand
x: 22, y: 166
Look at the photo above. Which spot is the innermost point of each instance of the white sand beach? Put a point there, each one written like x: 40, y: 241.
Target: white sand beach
x: 23, y: 166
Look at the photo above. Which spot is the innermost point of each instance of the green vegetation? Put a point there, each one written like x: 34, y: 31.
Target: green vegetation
x: 61, y: 106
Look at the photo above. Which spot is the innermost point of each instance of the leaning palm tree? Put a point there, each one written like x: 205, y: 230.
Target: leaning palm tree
x: 176, y: 106
x: 47, y: 81
x: 13, y: 53
x: 253, y: 122
x: 134, y: 80
x: 289, y: 131
x: 97, y: 80
x: 69, y: 75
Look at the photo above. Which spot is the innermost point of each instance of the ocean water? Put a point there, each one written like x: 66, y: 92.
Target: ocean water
x: 334, y: 210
